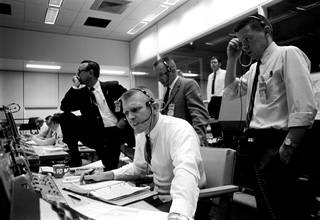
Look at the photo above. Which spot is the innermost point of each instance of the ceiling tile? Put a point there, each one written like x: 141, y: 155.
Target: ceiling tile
x: 126, y: 25
x: 66, y: 17
x: 35, y: 12
x: 143, y: 10
x: 74, y: 5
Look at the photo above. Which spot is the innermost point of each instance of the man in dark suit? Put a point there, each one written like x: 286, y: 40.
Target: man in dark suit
x: 100, y: 125
x: 182, y: 98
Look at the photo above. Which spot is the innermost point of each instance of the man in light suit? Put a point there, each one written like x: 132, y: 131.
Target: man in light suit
x: 183, y: 98
x: 100, y: 126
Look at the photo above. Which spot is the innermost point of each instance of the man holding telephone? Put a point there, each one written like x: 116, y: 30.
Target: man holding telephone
x: 281, y: 107
x: 100, y: 126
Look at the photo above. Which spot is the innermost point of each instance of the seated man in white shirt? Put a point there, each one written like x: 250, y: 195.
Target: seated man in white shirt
x: 167, y: 146
x: 56, y: 138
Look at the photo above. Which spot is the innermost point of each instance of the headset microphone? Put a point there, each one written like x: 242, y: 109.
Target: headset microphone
x: 148, y: 116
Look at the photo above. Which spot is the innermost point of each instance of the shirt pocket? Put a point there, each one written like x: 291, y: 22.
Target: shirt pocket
x: 271, y: 96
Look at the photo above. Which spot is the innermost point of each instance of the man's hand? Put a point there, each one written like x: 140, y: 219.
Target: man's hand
x: 90, y: 176
x: 75, y: 81
x: 285, y: 153
x: 234, y: 48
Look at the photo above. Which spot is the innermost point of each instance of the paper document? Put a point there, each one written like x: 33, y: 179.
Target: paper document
x: 101, y: 211
x: 115, y: 192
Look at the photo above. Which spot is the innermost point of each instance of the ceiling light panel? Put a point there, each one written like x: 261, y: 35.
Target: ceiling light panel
x: 155, y: 13
x: 190, y: 74
x: 55, y: 3
x: 51, y: 15
x: 115, y: 72
x: 137, y: 27
x: 139, y: 73
x: 41, y: 66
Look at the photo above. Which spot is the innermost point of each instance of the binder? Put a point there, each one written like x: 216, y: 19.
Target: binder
x: 112, y: 192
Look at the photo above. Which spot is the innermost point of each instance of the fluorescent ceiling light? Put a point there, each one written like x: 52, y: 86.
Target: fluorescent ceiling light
x: 41, y: 66
x: 139, y: 73
x: 116, y: 72
x: 137, y: 27
x: 155, y: 13
x: 171, y: 2
x: 55, y: 3
x: 51, y: 15
x: 190, y: 74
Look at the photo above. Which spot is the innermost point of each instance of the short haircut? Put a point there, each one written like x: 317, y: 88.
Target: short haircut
x: 167, y: 62
x: 92, y: 65
x: 215, y: 58
x: 55, y: 118
x: 140, y: 89
x: 256, y: 22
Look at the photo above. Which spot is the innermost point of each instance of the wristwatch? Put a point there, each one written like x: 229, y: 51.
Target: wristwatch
x: 289, y: 143
x: 176, y: 216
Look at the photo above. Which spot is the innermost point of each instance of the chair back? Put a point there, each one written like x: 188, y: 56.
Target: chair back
x: 219, y: 165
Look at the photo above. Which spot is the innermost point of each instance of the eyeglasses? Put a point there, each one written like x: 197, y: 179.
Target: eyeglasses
x: 80, y: 71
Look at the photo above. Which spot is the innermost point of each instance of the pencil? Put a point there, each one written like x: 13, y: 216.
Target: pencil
x: 74, y: 197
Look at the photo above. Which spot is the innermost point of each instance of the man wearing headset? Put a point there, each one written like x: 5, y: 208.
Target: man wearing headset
x: 281, y: 107
x: 183, y: 98
x: 174, y: 155
x: 99, y: 126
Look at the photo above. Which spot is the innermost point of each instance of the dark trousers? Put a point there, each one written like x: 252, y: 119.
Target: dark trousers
x: 106, y: 141
x: 214, y: 110
x: 275, y: 184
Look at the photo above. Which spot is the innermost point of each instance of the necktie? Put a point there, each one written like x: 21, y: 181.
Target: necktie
x: 148, y: 152
x: 213, y: 82
x: 92, y: 97
x: 166, y: 96
x: 253, y: 94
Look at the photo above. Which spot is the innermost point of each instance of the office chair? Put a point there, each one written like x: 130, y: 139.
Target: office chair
x: 219, y: 165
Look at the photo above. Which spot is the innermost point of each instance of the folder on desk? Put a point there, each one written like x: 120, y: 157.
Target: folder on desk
x: 113, y: 192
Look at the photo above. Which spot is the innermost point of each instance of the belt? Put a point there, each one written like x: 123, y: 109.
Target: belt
x: 262, y: 138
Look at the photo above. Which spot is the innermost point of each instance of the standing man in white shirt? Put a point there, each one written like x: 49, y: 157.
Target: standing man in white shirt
x: 100, y: 125
x: 281, y: 108
x: 215, y: 87
x: 169, y: 147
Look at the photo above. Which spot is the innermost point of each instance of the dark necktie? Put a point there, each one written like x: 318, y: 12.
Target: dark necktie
x: 253, y: 94
x: 213, y: 82
x: 93, y: 99
x: 148, y: 152
x: 166, y: 96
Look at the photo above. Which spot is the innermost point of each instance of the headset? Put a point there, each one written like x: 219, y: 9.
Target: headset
x: 254, y: 17
x: 263, y: 24
x: 150, y: 99
x: 165, y: 63
x: 118, y: 102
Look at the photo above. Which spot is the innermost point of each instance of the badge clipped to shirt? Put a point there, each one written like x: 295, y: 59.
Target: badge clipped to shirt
x: 262, y: 89
x: 170, y: 110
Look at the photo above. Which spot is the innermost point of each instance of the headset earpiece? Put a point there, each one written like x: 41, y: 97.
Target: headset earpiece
x: 165, y: 63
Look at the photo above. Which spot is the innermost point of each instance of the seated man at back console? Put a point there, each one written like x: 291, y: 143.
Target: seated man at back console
x: 167, y: 146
